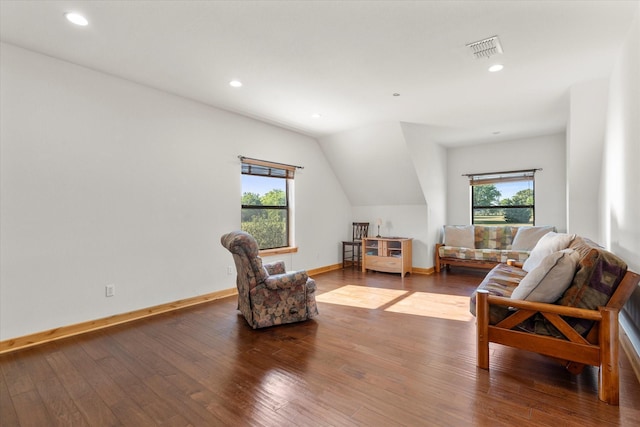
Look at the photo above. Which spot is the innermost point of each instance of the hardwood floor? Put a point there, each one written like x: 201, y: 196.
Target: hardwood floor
x: 384, y: 351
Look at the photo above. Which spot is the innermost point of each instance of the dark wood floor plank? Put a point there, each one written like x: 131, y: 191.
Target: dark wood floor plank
x: 179, y: 377
x: 143, y: 368
x: 93, y: 408
x: 8, y: 412
x: 384, y: 351
x: 60, y: 406
x: 31, y: 409
x: 15, y: 370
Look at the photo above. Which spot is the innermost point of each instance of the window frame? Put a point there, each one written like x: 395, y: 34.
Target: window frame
x: 487, y: 178
x: 272, y: 170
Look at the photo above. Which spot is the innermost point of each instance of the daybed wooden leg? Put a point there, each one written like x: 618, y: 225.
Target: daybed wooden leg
x: 575, y: 368
x: 609, y: 378
x: 436, y: 256
x: 482, y: 333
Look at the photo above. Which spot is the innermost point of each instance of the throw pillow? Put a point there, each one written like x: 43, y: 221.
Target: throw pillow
x: 460, y: 236
x: 527, y: 237
x: 548, y: 244
x: 548, y: 281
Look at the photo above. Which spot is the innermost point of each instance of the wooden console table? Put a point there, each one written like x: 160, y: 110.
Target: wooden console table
x: 388, y: 254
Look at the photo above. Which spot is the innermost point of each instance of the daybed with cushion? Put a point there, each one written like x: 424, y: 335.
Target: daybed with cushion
x: 483, y: 246
x: 563, y: 302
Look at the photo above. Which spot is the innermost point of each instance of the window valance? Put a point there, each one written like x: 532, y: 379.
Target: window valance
x: 266, y: 168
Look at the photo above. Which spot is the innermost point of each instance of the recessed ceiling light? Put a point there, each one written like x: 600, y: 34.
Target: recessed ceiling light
x: 396, y: 94
x: 316, y: 115
x: 235, y: 83
x: 497, y: 132
x: 76, y: 18
x: 496, y: 67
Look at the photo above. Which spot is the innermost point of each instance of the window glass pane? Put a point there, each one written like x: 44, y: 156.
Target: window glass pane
x: 503, y: 193
x: 503, y: 216
x: 265, y: 210
x: 267, y: 226
x: 498, y: 203
x: 269, y: 191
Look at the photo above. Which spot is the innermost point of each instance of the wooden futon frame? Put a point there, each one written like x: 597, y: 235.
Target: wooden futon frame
x: 599, y: 348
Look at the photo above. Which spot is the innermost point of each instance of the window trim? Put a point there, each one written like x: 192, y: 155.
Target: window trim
x: 524, y: 175
x: 268, y: 169
x: 278, y: 251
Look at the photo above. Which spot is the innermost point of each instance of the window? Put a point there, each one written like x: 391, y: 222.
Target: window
x: 500, y: 198
x: 266, y: 212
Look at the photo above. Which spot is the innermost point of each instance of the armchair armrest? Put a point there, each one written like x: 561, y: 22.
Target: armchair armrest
x: 286, y: 280
x: 276, y: 267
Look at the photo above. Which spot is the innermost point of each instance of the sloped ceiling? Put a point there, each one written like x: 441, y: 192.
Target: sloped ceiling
x: 374, y: 165
x: 344, y: 59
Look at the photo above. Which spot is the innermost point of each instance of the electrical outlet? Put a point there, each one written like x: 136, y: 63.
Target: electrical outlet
x: 230, y: 270
x: 110, y: 290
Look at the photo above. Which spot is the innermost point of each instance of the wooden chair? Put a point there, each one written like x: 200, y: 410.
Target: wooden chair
x: 352, y: 249
x: 599, y: 348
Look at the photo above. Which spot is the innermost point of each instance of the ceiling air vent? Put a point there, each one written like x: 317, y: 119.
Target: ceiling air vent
x: 485, y: 48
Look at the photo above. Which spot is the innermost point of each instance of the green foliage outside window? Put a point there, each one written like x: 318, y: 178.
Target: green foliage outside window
x: 490, y: 209
x: 265, y: 218
x: 487, y: 195
x: 519, y: 215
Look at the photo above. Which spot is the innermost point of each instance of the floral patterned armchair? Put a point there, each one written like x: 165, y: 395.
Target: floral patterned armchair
x: 267, y: 294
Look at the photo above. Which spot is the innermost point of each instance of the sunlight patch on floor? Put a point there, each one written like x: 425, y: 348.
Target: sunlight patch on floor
x: 361, y: 297
x: 443, y: 306
x: 452, y: 307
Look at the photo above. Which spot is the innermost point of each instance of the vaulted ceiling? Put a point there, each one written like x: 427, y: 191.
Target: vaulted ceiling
x: 344, y: 60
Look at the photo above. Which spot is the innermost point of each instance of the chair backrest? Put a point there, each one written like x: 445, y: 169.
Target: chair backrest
x: 360, y: 230
x: 251, y: 273
x: 245, y: 251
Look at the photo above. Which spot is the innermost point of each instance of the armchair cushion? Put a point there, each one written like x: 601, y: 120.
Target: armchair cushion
x: 286, y: 280
x: 275, y: 267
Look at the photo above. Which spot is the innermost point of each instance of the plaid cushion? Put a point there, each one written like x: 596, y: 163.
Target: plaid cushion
x: 492, y: 255
x: 501, y: 281
x: 598, y: 275
x: 494, y: 237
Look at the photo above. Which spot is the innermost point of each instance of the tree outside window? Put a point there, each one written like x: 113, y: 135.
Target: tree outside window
x: 503, y: 198
x: 265, y: 204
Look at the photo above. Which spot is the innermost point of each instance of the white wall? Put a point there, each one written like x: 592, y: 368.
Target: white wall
x: 376, y: 170
x: 400, y: 221
x: 546, y: 152
x: 621, y: 177
x: 374, y: 165
x: 104, y: 181
x: 585, y: 141
x: 430, y: 162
